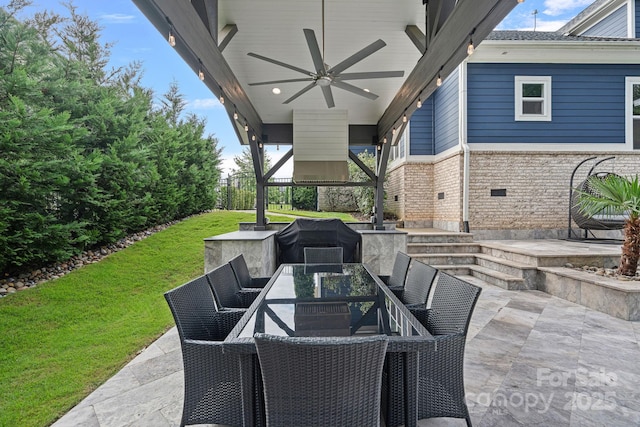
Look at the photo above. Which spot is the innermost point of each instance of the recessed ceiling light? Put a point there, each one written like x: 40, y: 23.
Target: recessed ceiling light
x: 276, y: 91
x: 366, y: 90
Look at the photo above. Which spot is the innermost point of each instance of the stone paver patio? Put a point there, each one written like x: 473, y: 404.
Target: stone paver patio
x: 531, y: 359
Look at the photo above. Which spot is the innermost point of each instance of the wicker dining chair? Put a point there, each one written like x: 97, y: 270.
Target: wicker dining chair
x: 317, y: 255
x: 416, y: 290
x: 212, y: 387
x: 441, y: 382
x: 226, y: 289
x: 245, y: 280
x: 414, y: 296
x: 396, y: 280
x: 321, y: 381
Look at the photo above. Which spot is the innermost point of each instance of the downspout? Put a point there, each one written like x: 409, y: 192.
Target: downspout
x: 462, y: 131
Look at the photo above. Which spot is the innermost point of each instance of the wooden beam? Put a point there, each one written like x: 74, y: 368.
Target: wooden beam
x: 211, y: 8
x: 361, y: 165
x: 447, y: 50
x: 198, y: 48
x: 226, y: 35
x: 417, y: 37
x: 277, y: 166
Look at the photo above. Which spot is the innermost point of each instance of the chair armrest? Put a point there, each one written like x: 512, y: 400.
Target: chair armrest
x: 259, y: 282
x: 420, y: 312
x: 398, y: 291
x: 229, y: 318
x: 246, y: 296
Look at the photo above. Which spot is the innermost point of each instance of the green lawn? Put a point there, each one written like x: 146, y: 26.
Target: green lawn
x: 61, y: 340
x: 341, y: 215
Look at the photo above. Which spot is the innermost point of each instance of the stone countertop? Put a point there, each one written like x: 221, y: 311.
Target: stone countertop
x: 381, y: 232
x: 244, y: 235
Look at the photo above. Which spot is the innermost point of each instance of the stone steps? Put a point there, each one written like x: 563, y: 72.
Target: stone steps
x: 457, y: 254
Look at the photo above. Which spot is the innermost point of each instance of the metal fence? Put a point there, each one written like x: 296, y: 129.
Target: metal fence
x: 238, y: 192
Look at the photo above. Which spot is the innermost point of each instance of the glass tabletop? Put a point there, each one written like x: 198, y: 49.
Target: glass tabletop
x: 326, y: 300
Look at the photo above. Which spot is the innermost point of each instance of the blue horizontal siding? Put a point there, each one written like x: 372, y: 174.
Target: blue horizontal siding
x: 637, y: 13
x: 587, y: 103
x: 614, y: 25
x: 421, y: 130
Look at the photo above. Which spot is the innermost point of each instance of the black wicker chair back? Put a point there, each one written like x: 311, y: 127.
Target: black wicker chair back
x: 196, y: 298
x: 212, y: 386
x: 418, y: 285
x: 317, y: 255
x: 245, y: 280
x: 441, y: 381
x: 452, y: 305
x: 399, y: 272
x: 322, y: 381
x: 226, y: 289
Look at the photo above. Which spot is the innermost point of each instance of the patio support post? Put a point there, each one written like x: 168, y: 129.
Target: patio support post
x: 256, y: 156
x: 383, y: 159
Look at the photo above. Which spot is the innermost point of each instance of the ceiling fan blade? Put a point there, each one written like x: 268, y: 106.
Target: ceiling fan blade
x: 279, y: 81
x: 297, y: 94
x: 328, y: 96
x: 370, y: 75
x: 358, y: 56
x: 354, y: 89
x: 316, y: 56
x: 282, y: 64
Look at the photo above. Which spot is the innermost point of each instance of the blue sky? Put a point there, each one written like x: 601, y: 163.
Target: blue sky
x: 135, y: 38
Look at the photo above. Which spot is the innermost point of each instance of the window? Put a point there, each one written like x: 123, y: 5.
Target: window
x: 633, y: 111
x: 397, y: 151
x: 533, y: 98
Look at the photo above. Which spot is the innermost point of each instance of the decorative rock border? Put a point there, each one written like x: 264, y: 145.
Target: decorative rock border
x: 24, y: 281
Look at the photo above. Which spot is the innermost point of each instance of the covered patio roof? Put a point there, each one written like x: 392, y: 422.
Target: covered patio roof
x: 339, y: 46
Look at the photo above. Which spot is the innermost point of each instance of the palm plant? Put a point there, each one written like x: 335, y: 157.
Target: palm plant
x: 615, y: 194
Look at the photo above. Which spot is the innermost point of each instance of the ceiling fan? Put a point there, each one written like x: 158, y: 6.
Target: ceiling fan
x: 325, y: 76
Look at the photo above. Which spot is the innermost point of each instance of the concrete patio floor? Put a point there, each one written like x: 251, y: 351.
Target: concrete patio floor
x: 531, y: 360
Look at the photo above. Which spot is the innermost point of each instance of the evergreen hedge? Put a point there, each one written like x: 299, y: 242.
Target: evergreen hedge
x: 86, y: 158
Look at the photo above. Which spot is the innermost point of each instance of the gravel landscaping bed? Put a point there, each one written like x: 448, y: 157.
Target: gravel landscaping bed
x: 24, y: 281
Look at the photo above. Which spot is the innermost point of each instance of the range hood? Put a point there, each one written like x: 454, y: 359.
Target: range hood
x: 320, y: 146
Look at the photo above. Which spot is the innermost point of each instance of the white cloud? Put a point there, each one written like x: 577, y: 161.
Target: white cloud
x: 559, y: 7
x: 227, y: 164
x: 205, y: 104
x: 118, y: 18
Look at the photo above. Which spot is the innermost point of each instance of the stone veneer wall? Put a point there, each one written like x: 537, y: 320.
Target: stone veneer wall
x: 412, y: 183
x: 448, y: 182
x: 536, y: 204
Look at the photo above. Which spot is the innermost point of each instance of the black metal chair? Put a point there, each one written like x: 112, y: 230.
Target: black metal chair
x: 226, y: 289
x: 441, y: 382
x: 240, y: 269
x: 212, y: 389
x: 317, y: 255
x: 321, y: 381
x: 396, y: 280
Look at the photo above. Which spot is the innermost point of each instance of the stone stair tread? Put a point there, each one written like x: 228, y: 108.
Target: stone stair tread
x: 483, y: 270
x: 504, y: 261
x: 443, y: 244
x: 487, y: 257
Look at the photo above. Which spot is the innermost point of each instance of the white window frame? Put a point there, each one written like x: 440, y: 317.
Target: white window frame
x: 546, y: 98
x: 399, y: 151
x: 628, y: 102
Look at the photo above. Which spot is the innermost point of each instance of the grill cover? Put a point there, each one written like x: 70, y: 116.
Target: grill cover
x: 305, y: 232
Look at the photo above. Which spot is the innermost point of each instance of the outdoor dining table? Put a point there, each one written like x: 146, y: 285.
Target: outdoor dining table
x: 328, y: 300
